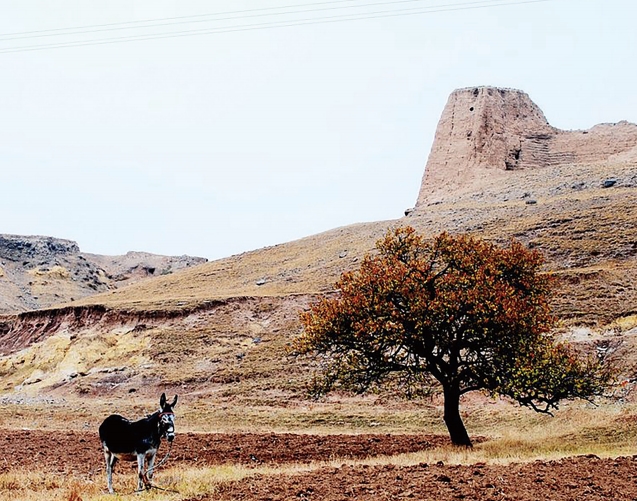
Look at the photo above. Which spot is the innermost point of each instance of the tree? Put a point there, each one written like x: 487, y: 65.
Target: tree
x: 454, y: 312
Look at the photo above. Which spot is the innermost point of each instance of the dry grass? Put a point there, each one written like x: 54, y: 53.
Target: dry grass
x: 576, y: 223
x: 624, y: 324
x: 304, y: 266
x: 40, y: 485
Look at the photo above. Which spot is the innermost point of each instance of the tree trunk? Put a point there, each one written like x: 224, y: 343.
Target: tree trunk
x: 457, y: 431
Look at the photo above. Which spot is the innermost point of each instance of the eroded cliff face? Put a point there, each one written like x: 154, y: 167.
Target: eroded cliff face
x: 484, y: 131
x: 95, y: 350
x: 21, y: 330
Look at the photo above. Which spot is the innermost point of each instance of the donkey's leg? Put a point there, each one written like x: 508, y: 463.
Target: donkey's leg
x: 151, y: 463
x: 141, y: 475
x: 110, y: 462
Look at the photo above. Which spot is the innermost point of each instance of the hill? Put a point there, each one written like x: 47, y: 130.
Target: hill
x: 39, y: 272
x: 219, y: 330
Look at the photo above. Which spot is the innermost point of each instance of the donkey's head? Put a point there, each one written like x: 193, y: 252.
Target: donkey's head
x: 167, y: 418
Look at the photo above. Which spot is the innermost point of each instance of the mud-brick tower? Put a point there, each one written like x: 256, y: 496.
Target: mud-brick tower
x: 488, y: 129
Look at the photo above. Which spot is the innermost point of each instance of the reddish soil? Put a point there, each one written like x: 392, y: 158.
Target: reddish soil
x: 578, y: 478
x: 292, y: 448
x: 80, y: 452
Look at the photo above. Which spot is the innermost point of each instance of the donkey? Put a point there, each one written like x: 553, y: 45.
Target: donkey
x: 138, y: 440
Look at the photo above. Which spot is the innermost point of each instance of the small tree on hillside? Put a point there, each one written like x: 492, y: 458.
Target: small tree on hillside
x: 456, y: 312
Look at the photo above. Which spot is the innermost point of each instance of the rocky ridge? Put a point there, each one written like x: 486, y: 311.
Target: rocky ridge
x: 40, y: 271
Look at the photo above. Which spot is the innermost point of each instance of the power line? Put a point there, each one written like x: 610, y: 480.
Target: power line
x: 270, y: 25
x: 244, y: 14
x: 176, y: 17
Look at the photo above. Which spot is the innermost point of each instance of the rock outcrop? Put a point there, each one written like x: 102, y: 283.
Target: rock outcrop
x: 134, y: 266
x: 487, y: 130
x: 39, y: 272
x: 35, y: 248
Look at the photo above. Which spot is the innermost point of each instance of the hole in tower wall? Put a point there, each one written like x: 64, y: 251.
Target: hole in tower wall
x: 513, y: 159
x: 471, y: 109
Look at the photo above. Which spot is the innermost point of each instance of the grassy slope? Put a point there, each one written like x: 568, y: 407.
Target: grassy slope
x: 587, y: 233
x: 304, y: 266
x: 233, y: 349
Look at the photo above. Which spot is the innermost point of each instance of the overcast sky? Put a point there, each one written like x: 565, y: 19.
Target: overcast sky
x: 214, y: 144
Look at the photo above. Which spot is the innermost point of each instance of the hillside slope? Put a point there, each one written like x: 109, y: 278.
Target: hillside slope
x: 587, y: 232
x: 220, y: 329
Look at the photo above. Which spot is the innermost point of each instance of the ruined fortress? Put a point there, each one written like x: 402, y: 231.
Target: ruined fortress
x: 486, y: 130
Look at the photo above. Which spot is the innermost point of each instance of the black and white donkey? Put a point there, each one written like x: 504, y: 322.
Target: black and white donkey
x: 137, y: 440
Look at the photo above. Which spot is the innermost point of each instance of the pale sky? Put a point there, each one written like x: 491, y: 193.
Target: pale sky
x: 214, y: 144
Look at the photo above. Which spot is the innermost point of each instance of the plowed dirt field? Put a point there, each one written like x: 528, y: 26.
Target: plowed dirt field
x: 572, y: 479
x: 80, y: 452
x: 577, y: 478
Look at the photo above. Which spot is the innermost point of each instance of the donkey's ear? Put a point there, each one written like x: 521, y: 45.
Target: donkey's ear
x: 162, y: 400
x: 174, y: 401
